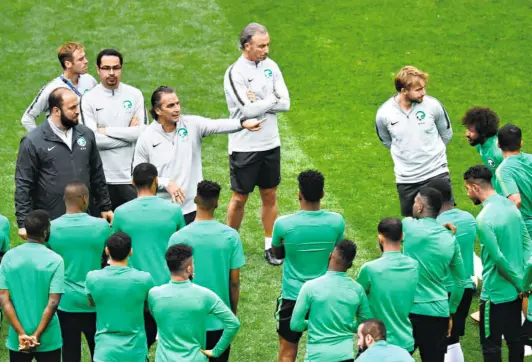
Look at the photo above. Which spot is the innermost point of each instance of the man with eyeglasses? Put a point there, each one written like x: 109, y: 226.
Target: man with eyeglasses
x: 115, y: 112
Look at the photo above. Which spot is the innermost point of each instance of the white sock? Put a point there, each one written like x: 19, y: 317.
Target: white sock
x: 267, y: 243
x: 454, y: 353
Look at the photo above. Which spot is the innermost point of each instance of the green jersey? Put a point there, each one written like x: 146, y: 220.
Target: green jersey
x: 466, y: 235
x: 308, y: 238
x: 504, y: 249
x: 150, y: 222
x: 514, y: 176
x: 5, y: 229
x: 527, y: 285
x: 390, y: 283
x: 79, y: 239
x: 31, y: 272
x: 436, y: 250
x: 119, y: 293
x: 181, y: 310
x: 335, y: 305
x: 217, y: 250
x: 492, y: 157
x: 382, y: 351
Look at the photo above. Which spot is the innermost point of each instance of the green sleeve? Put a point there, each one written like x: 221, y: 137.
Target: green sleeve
x: 230, y: 321
x: 298, y: 323
x: 148, y: 283
x: 277, y: 234
x: 117, y: 224
x: 460, y: 278
x: 364, y: 279
x: 6, y: 242
x: 174, y: 239
x: 527, y: 278
x: 88, y: 284
x: 527, y: 243
x: 180, y: 219
x: 363, y: 311
x: 151, y: 301
x: 341, y: 230
x: 57, y: 285
x: 238, y: 258
x: 489, y: 239
x: 3, y: 279
x: 506, y: 182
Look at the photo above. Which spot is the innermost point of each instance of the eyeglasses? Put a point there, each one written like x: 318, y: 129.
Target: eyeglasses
x: 108, y: 69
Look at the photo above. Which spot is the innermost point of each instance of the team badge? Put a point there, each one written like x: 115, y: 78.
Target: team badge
x: 420, y: 115
x: 491, y: 162
x: 81, y: 141
x: 127, y: 104
x: 268, y: 73
x: 183, y: 133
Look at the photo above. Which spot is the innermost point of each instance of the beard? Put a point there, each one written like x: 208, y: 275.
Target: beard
x: 380, y: 246
x: 68, y: 122
x: 363, y: 348
x: 475, y: 200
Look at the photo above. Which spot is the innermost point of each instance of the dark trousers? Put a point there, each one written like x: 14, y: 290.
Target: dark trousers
x: 72, y: 325
x: 189, y: 218
x: 430, y: 336
x: 151, y: 328
x: 503, y: 319
x: 120, y: 194
x: 408, y: 192
x: 212, y: 338
x: 50, y: 356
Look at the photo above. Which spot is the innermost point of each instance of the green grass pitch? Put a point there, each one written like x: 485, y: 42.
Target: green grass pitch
x: 337, y: 58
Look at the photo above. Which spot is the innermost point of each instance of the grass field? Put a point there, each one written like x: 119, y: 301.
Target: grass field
x: 337, y: 59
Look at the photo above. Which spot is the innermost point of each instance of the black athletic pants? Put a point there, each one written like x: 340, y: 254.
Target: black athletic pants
x: 190, y: 217
x: 502, y: 319
x: 120, y: 194
x: 212, y: 338
x: 50, y: 356
x: 430, y: 336
x: 151, y: 328
x: 72, y: 325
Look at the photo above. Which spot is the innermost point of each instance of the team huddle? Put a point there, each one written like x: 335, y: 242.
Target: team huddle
x: 122, y: 245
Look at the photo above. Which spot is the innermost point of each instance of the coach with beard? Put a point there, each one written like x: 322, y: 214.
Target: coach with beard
x: 57, y: 152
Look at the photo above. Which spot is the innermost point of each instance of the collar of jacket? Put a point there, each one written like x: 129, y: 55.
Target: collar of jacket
x: 49, y: 134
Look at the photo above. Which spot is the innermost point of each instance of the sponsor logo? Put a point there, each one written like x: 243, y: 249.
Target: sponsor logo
x: 393, y: 124
x: 98, y: 109
x: 157, y: 144
x: 50, y: 148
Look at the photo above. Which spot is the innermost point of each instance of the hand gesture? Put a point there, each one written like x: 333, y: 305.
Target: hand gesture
x: 251, y: 96
x: 252, y: 124
x: 135, y: 122
x: 207, y: 353
x: 176, y: 192
x: 27, y: 343
x: 22, y: 233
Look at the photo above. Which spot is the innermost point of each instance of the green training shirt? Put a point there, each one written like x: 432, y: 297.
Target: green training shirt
x: 436, y: 250
x: 217, y: 249
x: 79, y: 239
x: 181, y: 310
x: 492, y: 157
x: 527, y: 285
x: 390, y: 283
x: 504, y: 248
x: 385, y: 351
x: 150, y: 222
x: 31, y: 272
x: 466, y: 235
x: 514, y: 176
x: 5, y: 229
x: 120, y: 294
x: 335, y: 305
x: 308, y: 238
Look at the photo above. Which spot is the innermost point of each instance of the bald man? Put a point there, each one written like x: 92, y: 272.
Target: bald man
x: 79, y: 239
x: 57, y: 152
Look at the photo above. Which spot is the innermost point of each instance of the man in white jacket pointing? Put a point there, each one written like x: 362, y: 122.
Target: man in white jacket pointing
x: 173, y: 144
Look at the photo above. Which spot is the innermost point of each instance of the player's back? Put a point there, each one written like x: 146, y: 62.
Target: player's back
x: 150, y: 222
x: 217, y: 249
x: 308, y: 238
x: 390, y: 283
x: 514, y: 175
x: 432, y: 246
x: 79, y: 239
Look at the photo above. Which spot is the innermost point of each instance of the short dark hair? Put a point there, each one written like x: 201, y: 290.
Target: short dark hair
x: 347, y: 250
x: 110, y: 53
x: 433, y: 200
x: 208, y: 193
x: 144, y: 174
x: 510, y: 138
x: 55, y: 99
x: 444, y: 187
x: 375, y: 328
x: 37, y: 223
x: 119, y: 246
x: 75, y: 191
x: 311, y: 183
x: 478, y: 174
x: 176, y: 256
x: 156, y: 98
x: 391, y: 228
x: 485, y: 121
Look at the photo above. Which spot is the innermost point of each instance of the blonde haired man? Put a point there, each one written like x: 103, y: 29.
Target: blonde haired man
x: 72, y: 57
x: 416, y: 129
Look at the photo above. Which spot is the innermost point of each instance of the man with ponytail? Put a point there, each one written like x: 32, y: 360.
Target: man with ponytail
x: 173, y: 144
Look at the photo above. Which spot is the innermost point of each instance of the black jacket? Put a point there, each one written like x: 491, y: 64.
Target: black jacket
x: 45, y: 165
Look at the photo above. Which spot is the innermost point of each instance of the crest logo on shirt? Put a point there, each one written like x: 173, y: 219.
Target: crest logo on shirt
x: 491, y: 163
x: 268, y: 73
x: 86, y: 90
x: 82, y: 142
x: 420, y: 115
x: 127, y: 104
x: 183, y: 133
